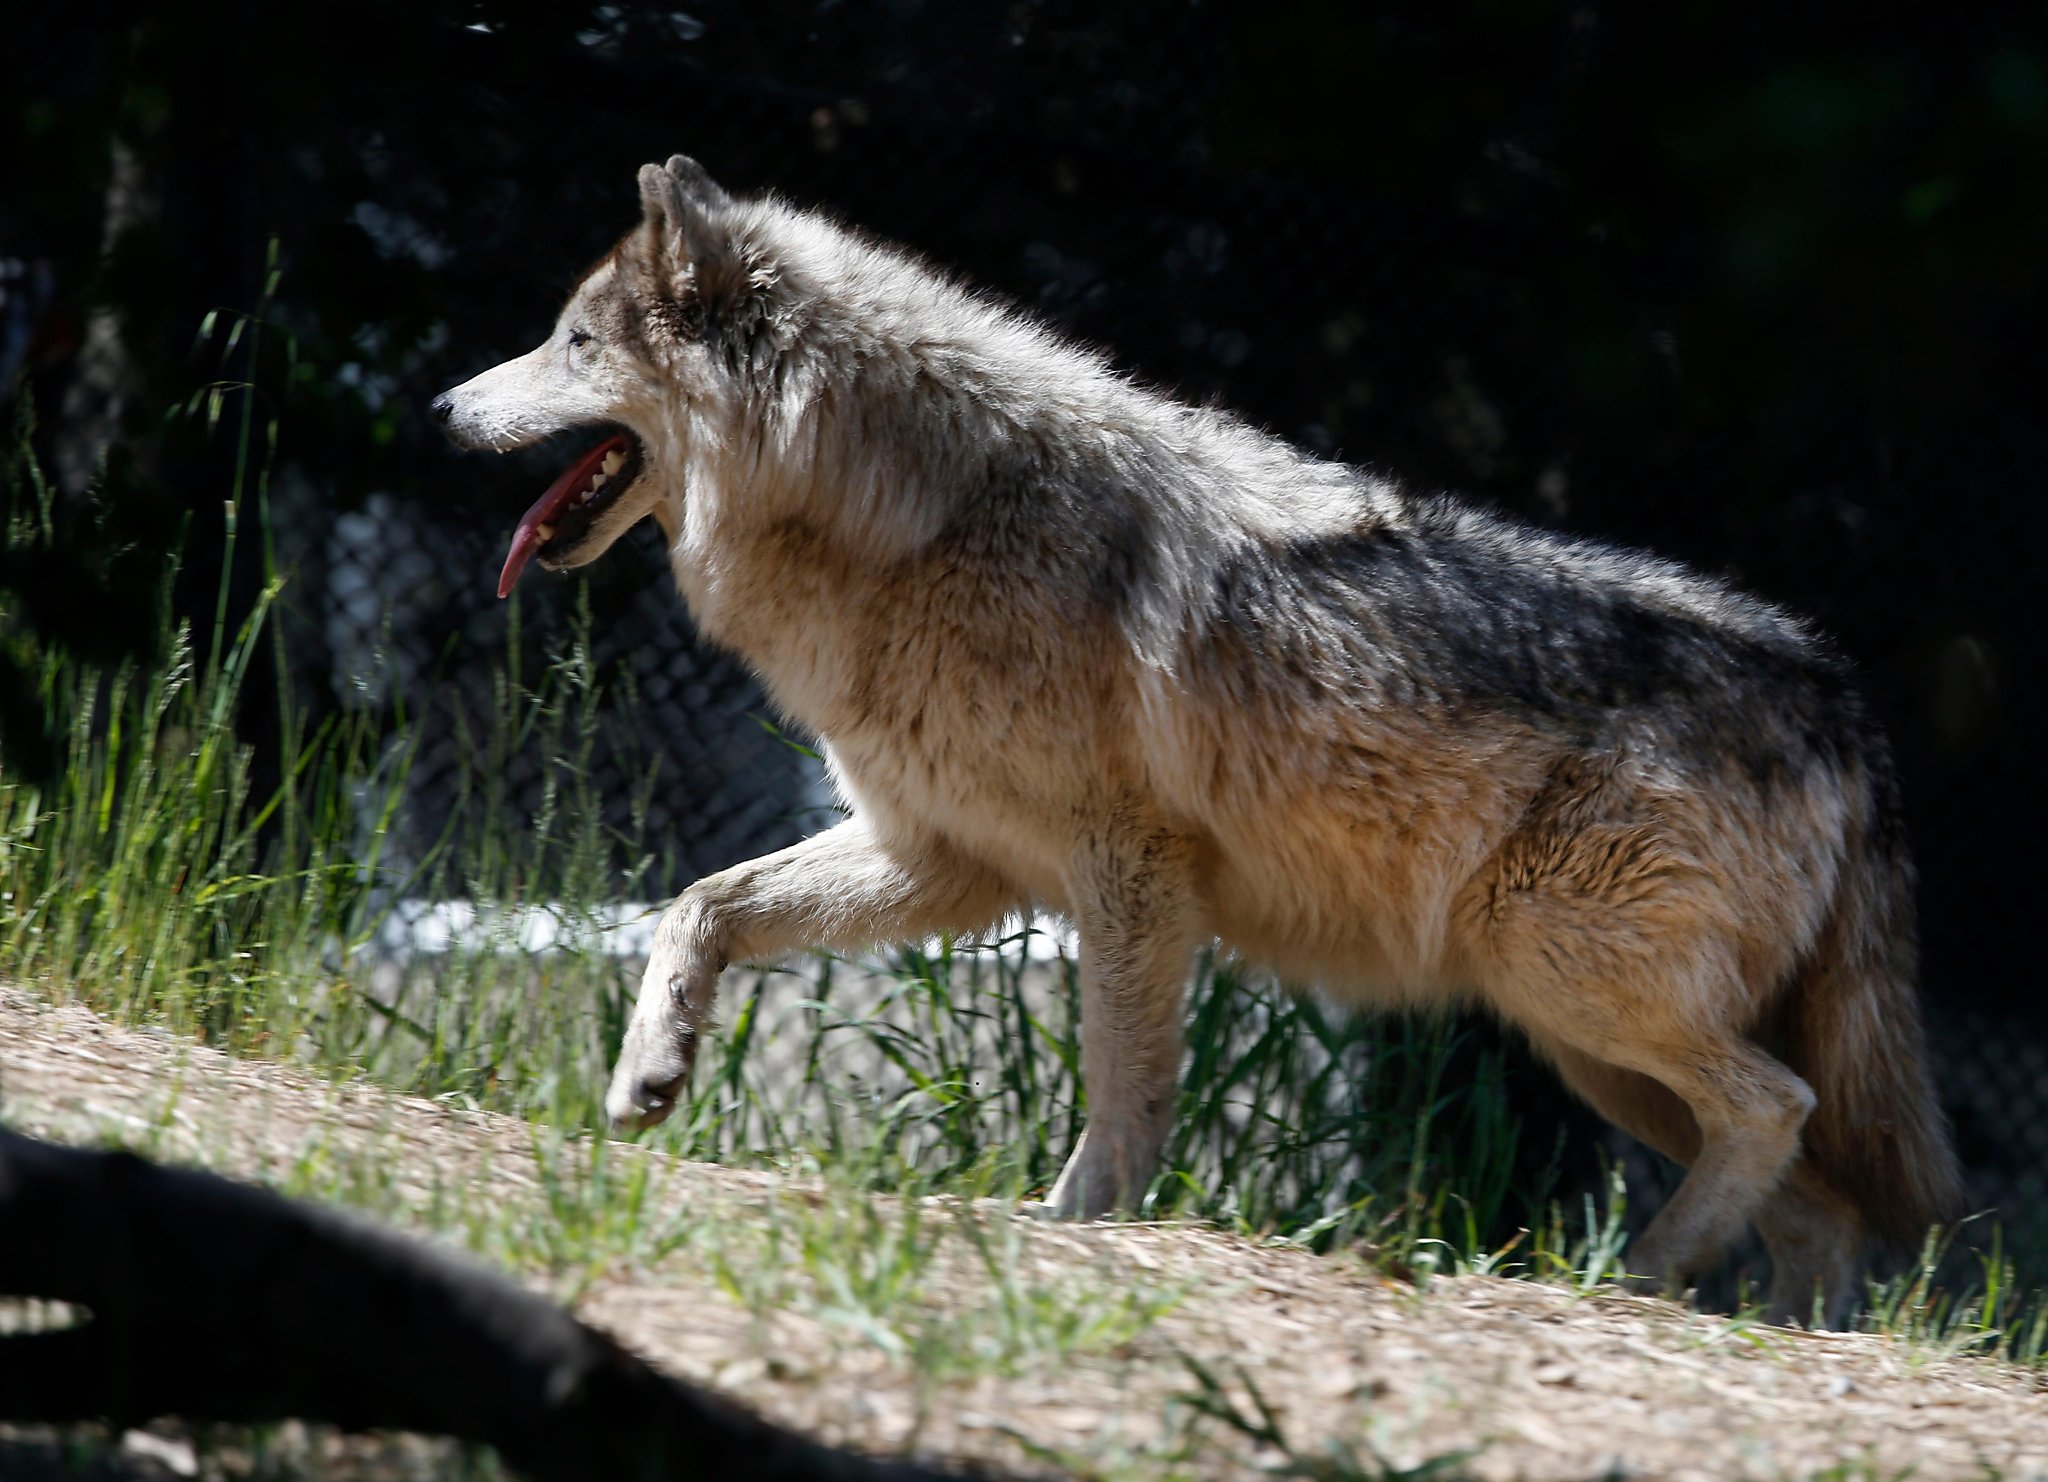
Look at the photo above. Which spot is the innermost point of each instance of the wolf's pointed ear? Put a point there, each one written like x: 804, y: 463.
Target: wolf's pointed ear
x: 690, y: 232
x: 695, y: 181
x: 682, y: 202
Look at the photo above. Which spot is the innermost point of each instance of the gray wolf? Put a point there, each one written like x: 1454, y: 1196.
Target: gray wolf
x: 1070, y: 644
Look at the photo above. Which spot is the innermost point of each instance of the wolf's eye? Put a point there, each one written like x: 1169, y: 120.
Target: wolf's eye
x: 578, y: 338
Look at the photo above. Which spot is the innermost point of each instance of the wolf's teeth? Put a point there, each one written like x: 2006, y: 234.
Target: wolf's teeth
x: 614, y: 461
x: 545, y: 531
x: 598, y: 481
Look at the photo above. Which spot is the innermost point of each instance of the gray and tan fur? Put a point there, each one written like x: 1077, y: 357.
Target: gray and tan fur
x: 1069, y: 644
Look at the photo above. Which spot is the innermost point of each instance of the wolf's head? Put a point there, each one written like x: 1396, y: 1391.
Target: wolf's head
x: 661, y: 327
x: 746, y: 361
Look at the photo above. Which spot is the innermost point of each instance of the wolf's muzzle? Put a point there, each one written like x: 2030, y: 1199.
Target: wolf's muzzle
x: 459, y: 432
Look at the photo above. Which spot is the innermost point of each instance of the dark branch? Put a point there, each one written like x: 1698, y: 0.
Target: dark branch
x: 215, y: 1301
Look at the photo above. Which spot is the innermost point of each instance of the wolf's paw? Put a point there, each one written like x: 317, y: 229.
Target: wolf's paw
x: 1045, y: 1209
x: 1670, y: 1287
x: 637, y: 1108
x: 648, y: 1081
x: 1082, y: 1192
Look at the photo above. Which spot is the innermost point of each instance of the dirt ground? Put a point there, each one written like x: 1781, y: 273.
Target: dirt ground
x: 1533, y: 1380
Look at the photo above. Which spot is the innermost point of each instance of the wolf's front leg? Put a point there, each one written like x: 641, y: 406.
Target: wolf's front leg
x: 1135, y: 905
x: 841, y: 889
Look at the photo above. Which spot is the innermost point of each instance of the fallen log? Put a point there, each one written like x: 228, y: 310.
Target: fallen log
x: 216, y: 1301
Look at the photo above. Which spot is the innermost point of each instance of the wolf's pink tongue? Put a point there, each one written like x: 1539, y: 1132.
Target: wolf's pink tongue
x: 548, y: 508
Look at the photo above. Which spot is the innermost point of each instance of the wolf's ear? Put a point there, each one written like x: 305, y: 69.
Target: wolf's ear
x: 690, y: 224
x: 683, y: 203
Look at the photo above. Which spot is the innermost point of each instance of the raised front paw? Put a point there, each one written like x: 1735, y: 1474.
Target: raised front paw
x: 649, y: 1078
x: 660, y: 1045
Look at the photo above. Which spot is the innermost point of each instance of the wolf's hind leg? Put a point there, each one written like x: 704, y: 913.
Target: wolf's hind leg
x: 842, y: 888
x: 1601, y: 928
x: 1647, y: 1110
x: 1814, y: 1235
x: 1134, y: 902
x: 1816, y: 1241
x: 1738, y: 1135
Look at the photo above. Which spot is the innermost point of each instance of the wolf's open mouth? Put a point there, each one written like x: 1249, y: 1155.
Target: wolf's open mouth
x: 560, y: 518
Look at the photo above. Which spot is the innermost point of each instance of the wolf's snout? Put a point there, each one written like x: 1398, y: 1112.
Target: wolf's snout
x: 457, y: 420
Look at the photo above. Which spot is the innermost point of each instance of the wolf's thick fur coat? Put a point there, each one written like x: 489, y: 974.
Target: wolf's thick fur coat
x: 1068, y: 643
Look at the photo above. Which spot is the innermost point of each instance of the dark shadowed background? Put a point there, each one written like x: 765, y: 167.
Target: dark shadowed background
x: 1757, y: 286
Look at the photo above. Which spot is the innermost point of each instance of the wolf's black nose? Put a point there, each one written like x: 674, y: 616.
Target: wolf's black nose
x: 444, y: 408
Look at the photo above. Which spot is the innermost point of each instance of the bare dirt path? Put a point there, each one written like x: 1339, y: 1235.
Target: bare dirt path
x: 1534, y: 1381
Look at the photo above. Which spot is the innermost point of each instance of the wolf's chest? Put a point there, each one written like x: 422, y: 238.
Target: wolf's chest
x: 1000, y: 808
x: 993, y: 766
x: 962, y: 700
